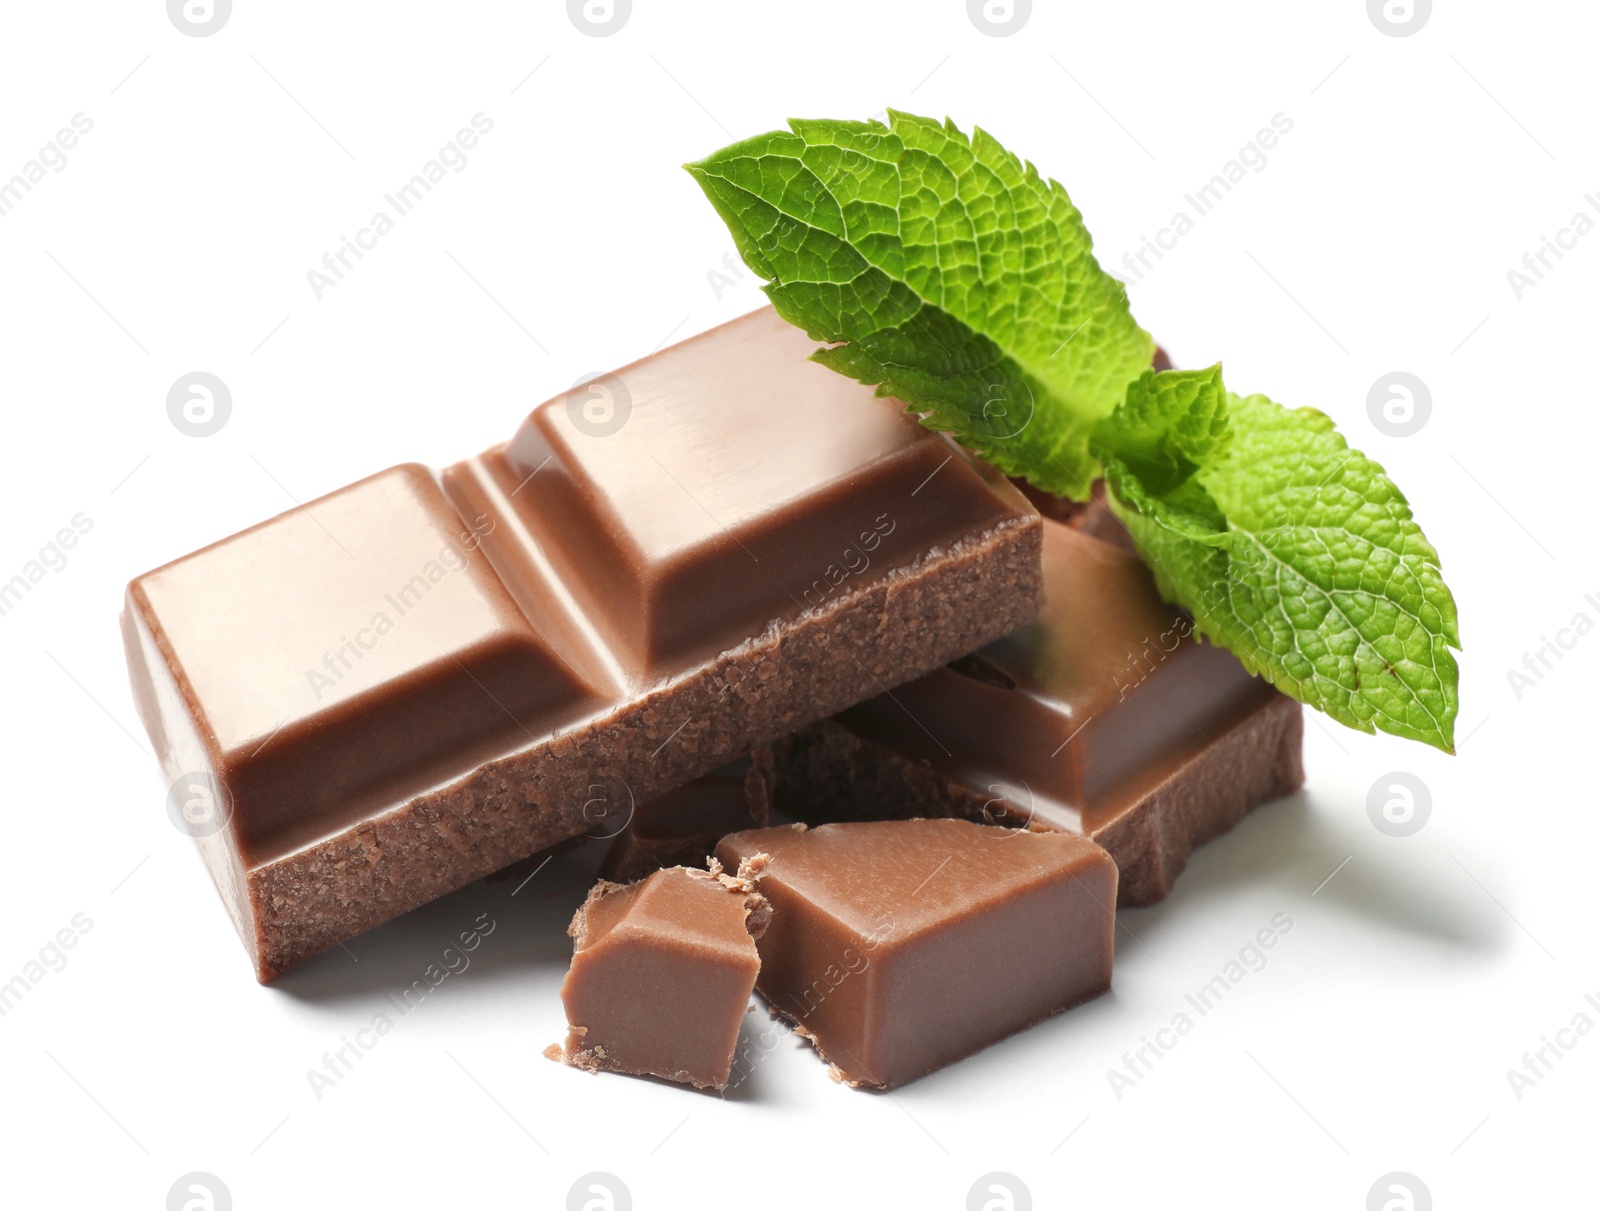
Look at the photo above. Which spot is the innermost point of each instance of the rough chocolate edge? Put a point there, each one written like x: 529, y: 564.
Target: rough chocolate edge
x: 827, y: 772
x: 1254, y: 762
x: 916, y: 618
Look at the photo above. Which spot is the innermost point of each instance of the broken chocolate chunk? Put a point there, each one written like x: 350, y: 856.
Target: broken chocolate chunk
x: 900, y: 946
x: 662, y: 972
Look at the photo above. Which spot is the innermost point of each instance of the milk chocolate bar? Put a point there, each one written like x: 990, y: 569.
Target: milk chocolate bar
x: 417, y: 680
x: 1105, y: 716
x: 661, y: 975
x: 899, y: 946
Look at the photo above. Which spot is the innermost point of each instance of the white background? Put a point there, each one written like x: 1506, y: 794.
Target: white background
x: 1378, y: 237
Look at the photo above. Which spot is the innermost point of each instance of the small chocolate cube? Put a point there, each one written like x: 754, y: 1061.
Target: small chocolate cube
x: 662, y: 972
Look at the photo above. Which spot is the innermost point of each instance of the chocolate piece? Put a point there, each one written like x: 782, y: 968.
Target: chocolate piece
x: 900, y: 946
x: 683, y: 826
x: 661, y: 974
x: 747, y: 484
x: 402, y: 687
x: 1105, y: 717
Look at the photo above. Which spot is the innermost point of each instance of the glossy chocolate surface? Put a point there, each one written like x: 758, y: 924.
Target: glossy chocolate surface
x: 661, y: 975
x: 742, y: 487
x: 408, y: 684
x: 1070, y: 720
x: 903, y: 945
x: 349, y: 655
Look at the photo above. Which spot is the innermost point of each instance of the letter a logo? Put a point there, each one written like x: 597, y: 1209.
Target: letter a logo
x: 1003, y: 1200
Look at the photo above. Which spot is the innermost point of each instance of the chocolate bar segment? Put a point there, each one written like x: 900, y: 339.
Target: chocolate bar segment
x: 392, y: 653
x: 408, y: 685
x: 1105, y: 716
x: 661, y: 975
x: 701, y: 515
x: 900, y: 946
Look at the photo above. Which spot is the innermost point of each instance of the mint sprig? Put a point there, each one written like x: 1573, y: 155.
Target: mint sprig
x: 1290, y: 549
x: 956, y: 278
x: 948, y: 273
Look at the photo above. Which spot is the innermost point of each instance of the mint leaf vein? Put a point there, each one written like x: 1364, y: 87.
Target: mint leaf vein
x: 946, y: 272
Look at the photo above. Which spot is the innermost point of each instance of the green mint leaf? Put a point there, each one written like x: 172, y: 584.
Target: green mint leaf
x: 945, y: 271
x: 1292, y: 550
x: 1171, y: 423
